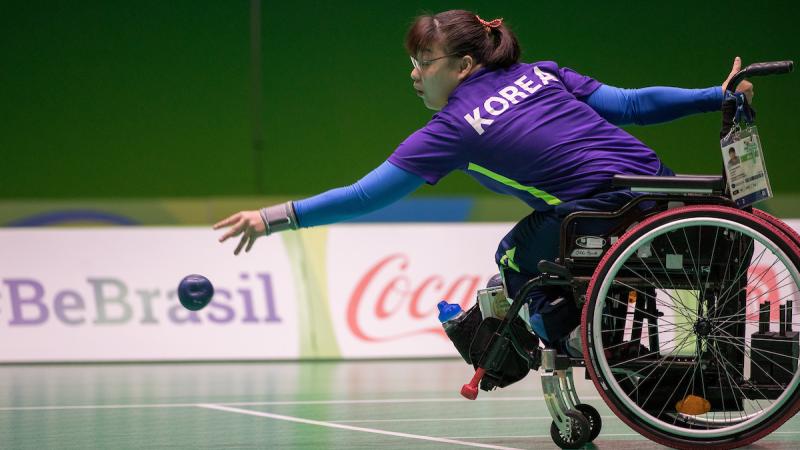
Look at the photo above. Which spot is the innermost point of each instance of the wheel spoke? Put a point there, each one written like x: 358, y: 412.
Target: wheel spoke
x: 721, y: 362
x: 660, y: 287
x: 721, y: 358
x: 698, y: 272
x: 620, y: 302
x: 726, y: 293
x: 688, y: 279
x: 658, y: 364
x: 689, y: 384
x: 725, y: 274
x: 666, y: 371
x: 669, y: 279
x: 732, y: 340
x: 755, y: 299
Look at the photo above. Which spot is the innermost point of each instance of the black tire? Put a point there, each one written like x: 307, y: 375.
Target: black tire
x: 579, y: 431
x: 713, y: 331
x: 594, y: 419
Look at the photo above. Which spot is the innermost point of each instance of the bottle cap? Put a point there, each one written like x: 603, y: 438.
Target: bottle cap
x: 448, y: 311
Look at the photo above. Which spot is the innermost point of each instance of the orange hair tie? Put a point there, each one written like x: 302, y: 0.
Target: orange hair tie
x: 491, y: 24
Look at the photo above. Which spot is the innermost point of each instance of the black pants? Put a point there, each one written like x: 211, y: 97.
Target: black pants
x: 536, y: 237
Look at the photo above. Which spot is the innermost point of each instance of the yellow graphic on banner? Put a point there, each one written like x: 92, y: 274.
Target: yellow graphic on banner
x: 307, y: 253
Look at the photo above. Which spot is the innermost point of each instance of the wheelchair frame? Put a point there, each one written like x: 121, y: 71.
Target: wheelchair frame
x: 715, y: 329
x: 575, y: 423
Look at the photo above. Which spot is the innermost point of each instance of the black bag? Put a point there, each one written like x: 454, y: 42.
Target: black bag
x: 471, y: 335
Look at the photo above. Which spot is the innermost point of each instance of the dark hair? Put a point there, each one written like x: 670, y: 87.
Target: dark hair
x: 462, y: 33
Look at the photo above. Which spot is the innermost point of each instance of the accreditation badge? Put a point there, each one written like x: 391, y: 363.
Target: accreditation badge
x: 744, y: 166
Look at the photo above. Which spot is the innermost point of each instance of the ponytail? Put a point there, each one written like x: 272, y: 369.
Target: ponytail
x: 490, y: 43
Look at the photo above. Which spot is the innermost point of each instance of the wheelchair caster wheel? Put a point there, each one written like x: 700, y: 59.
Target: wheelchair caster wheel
x: 593, y: 417
x: 578, y: 431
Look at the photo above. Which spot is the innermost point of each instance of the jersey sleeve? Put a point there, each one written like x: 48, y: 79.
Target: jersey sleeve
x: 383, y: 186
x: 432, y: 151
x: 653, y: 104
x: 578, y: 85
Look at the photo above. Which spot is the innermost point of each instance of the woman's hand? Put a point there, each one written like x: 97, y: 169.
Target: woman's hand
x: 744, y: 86
x: 247, y: 223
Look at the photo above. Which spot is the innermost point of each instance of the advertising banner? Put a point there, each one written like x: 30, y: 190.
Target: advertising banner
x: 346, y: 291
x: 385, y: 282
x: 110, y: 295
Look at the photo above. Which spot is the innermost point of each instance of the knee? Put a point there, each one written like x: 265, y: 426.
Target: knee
x: 500, y: 254
x: 496, y: 280
x: 505, y: 257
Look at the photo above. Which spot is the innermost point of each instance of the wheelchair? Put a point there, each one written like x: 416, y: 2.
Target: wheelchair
x: 688, y: 307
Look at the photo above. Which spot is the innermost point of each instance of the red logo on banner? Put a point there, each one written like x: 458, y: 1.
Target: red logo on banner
x: 387, y: 293
x: 762, y: 287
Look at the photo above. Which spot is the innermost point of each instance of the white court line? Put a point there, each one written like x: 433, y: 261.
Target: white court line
x: 455, y: 419
x: 78, y: 407
x: 535, y: 436
x: 394, y: 400
x: 604, y: 435
x: 279, y: 403
x: 350, y: 428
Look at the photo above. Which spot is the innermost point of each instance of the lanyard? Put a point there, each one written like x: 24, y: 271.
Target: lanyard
x: 742, y: 112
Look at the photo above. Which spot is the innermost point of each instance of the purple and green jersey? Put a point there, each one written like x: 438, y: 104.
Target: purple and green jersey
x: 544, y: 134
x: 524, y: 131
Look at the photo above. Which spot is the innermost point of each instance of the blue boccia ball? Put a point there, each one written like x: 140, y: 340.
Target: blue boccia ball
x: 195, y: 291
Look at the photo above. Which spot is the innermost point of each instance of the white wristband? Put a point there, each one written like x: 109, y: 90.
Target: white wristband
x: 278, y: 218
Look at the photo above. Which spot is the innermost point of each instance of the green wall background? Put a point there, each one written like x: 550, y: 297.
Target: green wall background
x: 105, y: 99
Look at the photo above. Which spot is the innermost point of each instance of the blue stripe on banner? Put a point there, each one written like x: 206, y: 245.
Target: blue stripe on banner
x: 74, y: 215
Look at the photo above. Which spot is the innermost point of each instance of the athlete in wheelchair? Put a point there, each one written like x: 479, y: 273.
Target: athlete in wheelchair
x: 670, y: 274
x: 688, y: 300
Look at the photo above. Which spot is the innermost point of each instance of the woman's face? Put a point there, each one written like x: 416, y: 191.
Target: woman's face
x: 436, y: 74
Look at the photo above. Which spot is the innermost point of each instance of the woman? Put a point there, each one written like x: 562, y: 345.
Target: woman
x: 542, y: 133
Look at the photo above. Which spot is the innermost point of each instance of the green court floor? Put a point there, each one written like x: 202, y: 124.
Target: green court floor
x: 312, y: 405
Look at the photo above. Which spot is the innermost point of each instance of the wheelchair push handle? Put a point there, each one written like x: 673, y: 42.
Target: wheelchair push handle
x: 760, y: 69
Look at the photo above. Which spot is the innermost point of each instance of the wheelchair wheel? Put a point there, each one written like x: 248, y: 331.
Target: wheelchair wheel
x: 593, y: 417
x: 687, y: 327
x: 578, y: 431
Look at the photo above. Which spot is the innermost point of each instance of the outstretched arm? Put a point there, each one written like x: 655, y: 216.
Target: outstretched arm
x: 653, y: 104
x: 381, y: 187
x: 661, y: 104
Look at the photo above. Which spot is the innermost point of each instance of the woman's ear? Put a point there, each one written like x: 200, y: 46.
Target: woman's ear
x: 466, y: 65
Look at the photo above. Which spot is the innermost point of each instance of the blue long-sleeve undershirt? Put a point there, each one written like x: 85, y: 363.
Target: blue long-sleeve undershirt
x: 653, y: 104
x: 389, y: 183
x: 381, y: 187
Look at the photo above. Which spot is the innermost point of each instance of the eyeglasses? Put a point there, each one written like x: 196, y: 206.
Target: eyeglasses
x: 422, y: 63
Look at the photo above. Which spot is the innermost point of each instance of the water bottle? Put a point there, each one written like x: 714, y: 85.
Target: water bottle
x: 448, y: 313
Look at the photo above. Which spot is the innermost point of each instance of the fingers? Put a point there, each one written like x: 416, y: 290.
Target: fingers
x: 746, y: 87
x: 235, y: 230
x: 239, y: 224
x: 242, y: 241
x: 250, y: 242
x: 249, y: 237
x: 737, y: 65
x: 228, y: 221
